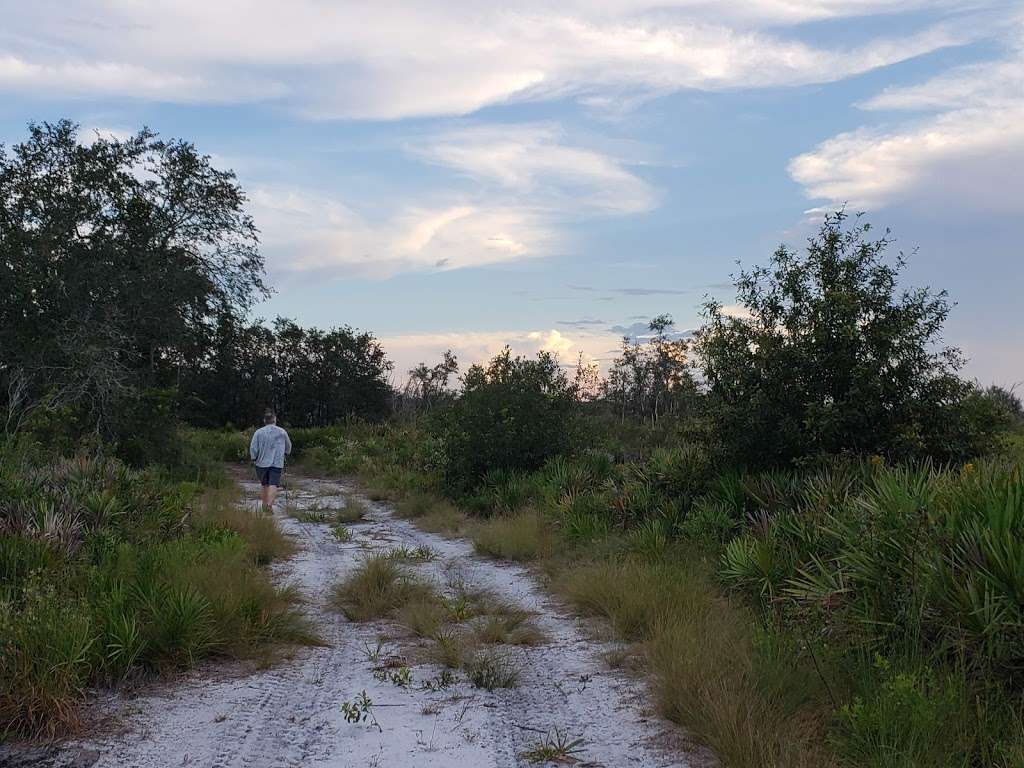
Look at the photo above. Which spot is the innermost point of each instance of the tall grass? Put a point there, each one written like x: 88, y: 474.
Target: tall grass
x: 522, y: 536
x: 709, y: 674
x: 110, y: 573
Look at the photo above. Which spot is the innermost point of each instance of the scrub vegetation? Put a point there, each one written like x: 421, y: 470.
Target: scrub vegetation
x: 110, y: 573
x: 805, y: 523
x: 815, y: 550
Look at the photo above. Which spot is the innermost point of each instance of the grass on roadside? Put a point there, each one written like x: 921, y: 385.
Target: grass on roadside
x: 521, y: 536
x: 151, y: 578
x: 264, y: 539
x: 753, y: 709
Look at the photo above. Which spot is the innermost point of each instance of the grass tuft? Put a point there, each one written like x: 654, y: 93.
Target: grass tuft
x: 491, y: 670
x: 354, y: 510
x: 377, y: 588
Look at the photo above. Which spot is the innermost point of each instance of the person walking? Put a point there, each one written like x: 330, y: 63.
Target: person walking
x: 270, y: 444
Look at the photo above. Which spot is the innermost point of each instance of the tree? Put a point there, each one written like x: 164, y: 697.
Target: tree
x: 512, y: 413
x: 311, y: 377
x: 586, y: 382
x: 651, y: 379
x: 115, y: 256
x: 831, y: 356
x: 1005, y: 401
x: 428, y: 385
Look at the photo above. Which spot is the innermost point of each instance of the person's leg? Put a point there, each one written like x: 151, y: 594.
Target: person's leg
x: 267, y: 499
x: 273, y: 483
x: 263, y: 475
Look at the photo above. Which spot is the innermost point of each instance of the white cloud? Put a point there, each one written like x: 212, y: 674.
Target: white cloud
x: 387, y: 61
x: 100, y: 77
x: 737, y: 311
x: 406, y: 350
x: 534, y: 160
x: 968, y: 153
x: 517, y: 186
x: 303, y: 232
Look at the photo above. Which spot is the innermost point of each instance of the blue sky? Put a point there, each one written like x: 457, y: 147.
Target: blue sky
x: 467, y: 175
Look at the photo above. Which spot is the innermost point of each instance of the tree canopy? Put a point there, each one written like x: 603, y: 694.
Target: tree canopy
x: 115, y: 256
x: 830, y: 354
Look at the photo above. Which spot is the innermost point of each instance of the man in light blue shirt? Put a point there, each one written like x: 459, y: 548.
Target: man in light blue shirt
x: 270, y: 444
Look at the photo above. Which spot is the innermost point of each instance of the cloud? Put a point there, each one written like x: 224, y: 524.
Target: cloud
x: 967, y: 153
x: 642, y: 332
x: 534, y: 159
x: 406, y: 350
x: 736, y: 310
x: 582, y: 323
x: 513, y: 191
x: 102, y: 78
x: 304, y: 232
x: 385, y: 61
x: 645, y: 291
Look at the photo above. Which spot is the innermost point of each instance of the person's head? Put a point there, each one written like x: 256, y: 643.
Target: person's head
x: 269, y: 417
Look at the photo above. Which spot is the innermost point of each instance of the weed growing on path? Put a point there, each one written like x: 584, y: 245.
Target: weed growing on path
x: 420, y: 554
x: 360, y: 710
x: 354, y: 510
x: 511, y: 628
x: 401, y: 677
x: 555, y: 747
x: 377, y: 588
x: 491, y: 670
x: 442, y: 681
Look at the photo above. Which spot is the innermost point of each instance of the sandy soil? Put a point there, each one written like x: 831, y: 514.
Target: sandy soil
x: 290, y: 714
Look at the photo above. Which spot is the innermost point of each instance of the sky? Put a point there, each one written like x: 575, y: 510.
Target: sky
x: 467, y: 175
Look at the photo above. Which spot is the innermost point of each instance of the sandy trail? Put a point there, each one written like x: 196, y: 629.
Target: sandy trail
x: 290, y: 714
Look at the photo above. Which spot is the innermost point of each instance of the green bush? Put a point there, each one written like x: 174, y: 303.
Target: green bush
x: 513, y: 414
x: 832, y: 356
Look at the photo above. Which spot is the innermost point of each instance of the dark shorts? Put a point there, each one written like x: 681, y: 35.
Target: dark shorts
x: 269, y: 475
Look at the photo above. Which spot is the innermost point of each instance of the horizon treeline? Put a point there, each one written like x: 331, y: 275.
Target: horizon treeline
x: 130, y: 269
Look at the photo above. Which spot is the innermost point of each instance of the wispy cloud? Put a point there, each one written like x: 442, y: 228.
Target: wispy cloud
x: 535, y: 159
x: 513, y: 191
x: 642, y: 332
x: 351, y: 60
x: 966, y: 150
x: 305, y: 232
x: 649, y: 290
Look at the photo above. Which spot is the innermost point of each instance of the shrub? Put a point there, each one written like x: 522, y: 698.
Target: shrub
x: 832, y: 357
x: 512, y: 414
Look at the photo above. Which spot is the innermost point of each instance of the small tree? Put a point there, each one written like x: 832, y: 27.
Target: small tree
x: 832, y: 357
x: 427, y: 385
x: 513, y: 413
x: 651, y: 379
x: 586, y: 382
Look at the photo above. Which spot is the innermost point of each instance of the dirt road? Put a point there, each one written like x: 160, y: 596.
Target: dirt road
x: 290, y: 714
